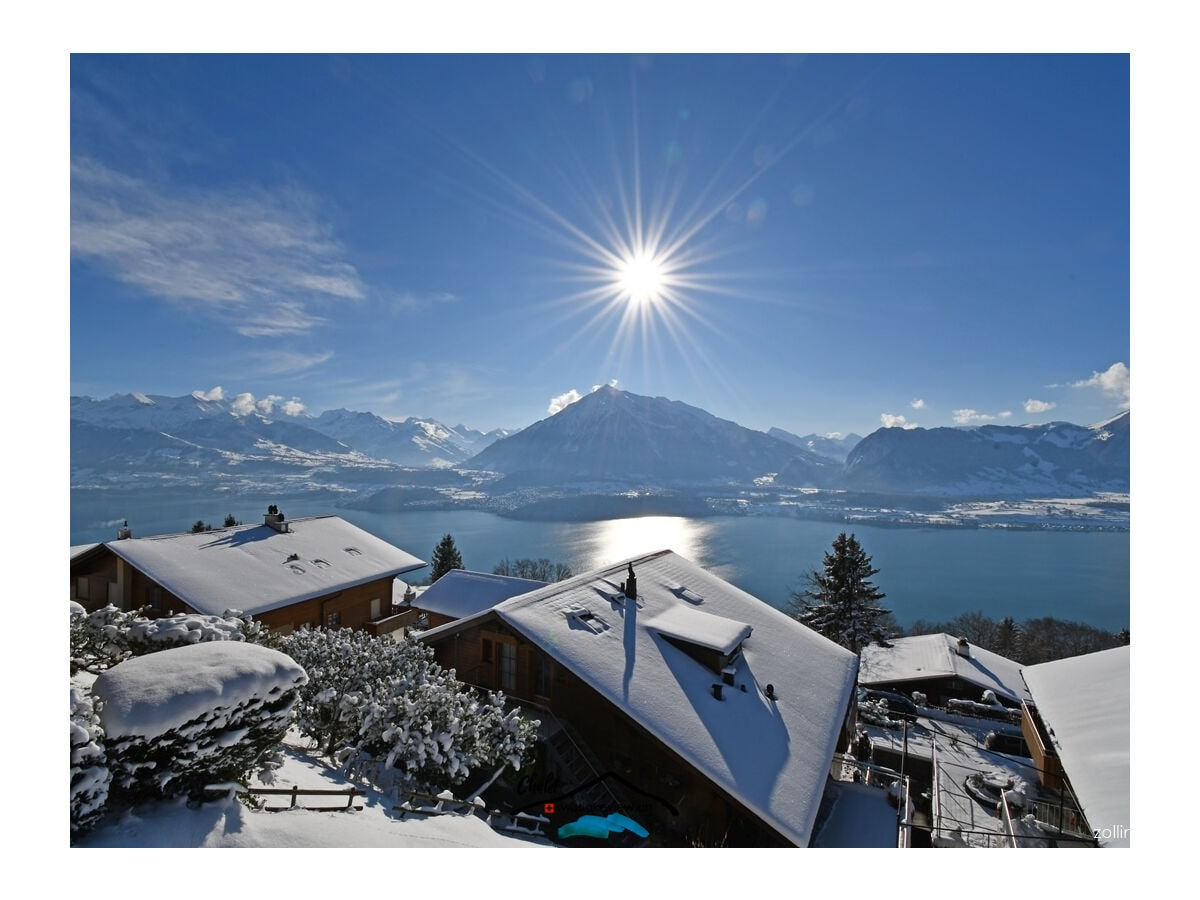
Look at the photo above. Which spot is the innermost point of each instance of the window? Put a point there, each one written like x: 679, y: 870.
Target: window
x: 541, y: 675
x: 333, y: 620
x: 508, y: 667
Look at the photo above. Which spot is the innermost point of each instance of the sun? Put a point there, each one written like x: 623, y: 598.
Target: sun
x: 641, y: 278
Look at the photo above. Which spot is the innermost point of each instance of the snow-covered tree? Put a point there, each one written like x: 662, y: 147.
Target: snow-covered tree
x: 840, y: 602
x: 445, y: 558
x: 433, y: 728
x: 90, y: 776
x: 101, y: 639
x: 346, y: 668
x: 390, y: 701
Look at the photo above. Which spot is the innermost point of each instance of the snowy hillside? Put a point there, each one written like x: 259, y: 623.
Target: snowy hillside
x: 1055, y: 459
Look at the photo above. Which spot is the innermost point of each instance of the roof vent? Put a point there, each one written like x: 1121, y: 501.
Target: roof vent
x: 716, y: 691
x: 964, y: 649
x: 123, y: 533
x: 771, y: 692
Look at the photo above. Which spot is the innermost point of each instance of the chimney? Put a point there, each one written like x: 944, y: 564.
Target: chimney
x: 716, y: 691
x: 123, y: 533
x: 629, y: 588
x: 964, y: 649
x: 274, y: 519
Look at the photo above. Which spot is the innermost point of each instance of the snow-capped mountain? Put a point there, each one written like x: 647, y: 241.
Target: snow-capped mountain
x: 132, y: 433
x: 613, y: 435
x: 408, y: 442
x: 1055, y: 459
x: 608, y: 437
x: 832, y: 446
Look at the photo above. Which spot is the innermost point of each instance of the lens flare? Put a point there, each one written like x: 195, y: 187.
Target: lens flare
x: 641, y: 278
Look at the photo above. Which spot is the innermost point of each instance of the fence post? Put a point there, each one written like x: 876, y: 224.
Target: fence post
x: 295, y: 789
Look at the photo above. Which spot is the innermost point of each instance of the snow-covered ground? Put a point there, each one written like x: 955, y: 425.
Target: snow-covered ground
x: 230, y: 823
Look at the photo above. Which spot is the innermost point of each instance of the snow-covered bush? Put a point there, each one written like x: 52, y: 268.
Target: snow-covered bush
x: 190, y: 716
x: 101, y: 639
x: 346, y: 668
x: 90, y: 776
x: 390, y: 701
x: 436, y: 731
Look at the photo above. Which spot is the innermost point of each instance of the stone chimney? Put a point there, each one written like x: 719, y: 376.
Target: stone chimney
x: 629, y: 585
x: 964, y: 649
x: 123, y: 533
x: 274, y: 519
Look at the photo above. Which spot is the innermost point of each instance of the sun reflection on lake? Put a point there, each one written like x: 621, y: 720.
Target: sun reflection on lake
x: 617, y: 539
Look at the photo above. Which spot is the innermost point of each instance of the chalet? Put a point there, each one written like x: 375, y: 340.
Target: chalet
x: 942, y: 667
x: 461, y: 593
x: 711, y: 716
x: 285, y: 573
x: 1077, y: 726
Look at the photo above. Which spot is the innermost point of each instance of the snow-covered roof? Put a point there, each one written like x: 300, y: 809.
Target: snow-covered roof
x: 255, y: 569
x: 927, y: 656
x: 771, y: 755
x: 700, y: 628
x: 1084, y: 702
x: 460, y: 593
x: 80, y: 549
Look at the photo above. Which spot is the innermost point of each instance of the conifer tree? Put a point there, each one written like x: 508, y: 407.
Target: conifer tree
x: 445, y: 558
x: 840, y: 602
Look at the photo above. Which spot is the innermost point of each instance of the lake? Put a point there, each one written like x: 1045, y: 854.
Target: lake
x: 927, y: 573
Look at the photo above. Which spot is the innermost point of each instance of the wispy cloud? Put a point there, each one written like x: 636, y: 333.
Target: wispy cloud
x: 1113, y: 382
x: 562, y: 401
x: 409, y: 301
x: 1039, y: 406
x: 261, y: 261
x: 973, y: 417
x: 289, y: 362
x: 565, y: 399
x: 891, y: 421
x: 970, y: 417
x: 918, y: 404
x: 246, y: 404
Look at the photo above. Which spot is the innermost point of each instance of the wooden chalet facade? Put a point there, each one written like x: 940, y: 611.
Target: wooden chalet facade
x: 312, y: 571
x: 667, y: 701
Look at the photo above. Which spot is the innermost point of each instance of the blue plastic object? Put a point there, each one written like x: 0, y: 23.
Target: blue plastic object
x: 598, y: 827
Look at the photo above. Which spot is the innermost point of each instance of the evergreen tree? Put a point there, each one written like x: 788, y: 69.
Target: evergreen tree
x: 840, y: 602
x: 1007, y: 641
x: 445, y: 558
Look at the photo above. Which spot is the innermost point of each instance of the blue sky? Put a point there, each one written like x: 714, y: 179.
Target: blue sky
x: 824, y: 243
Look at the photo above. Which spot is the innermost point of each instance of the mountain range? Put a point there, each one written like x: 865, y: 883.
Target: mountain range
x: 607, y: 438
